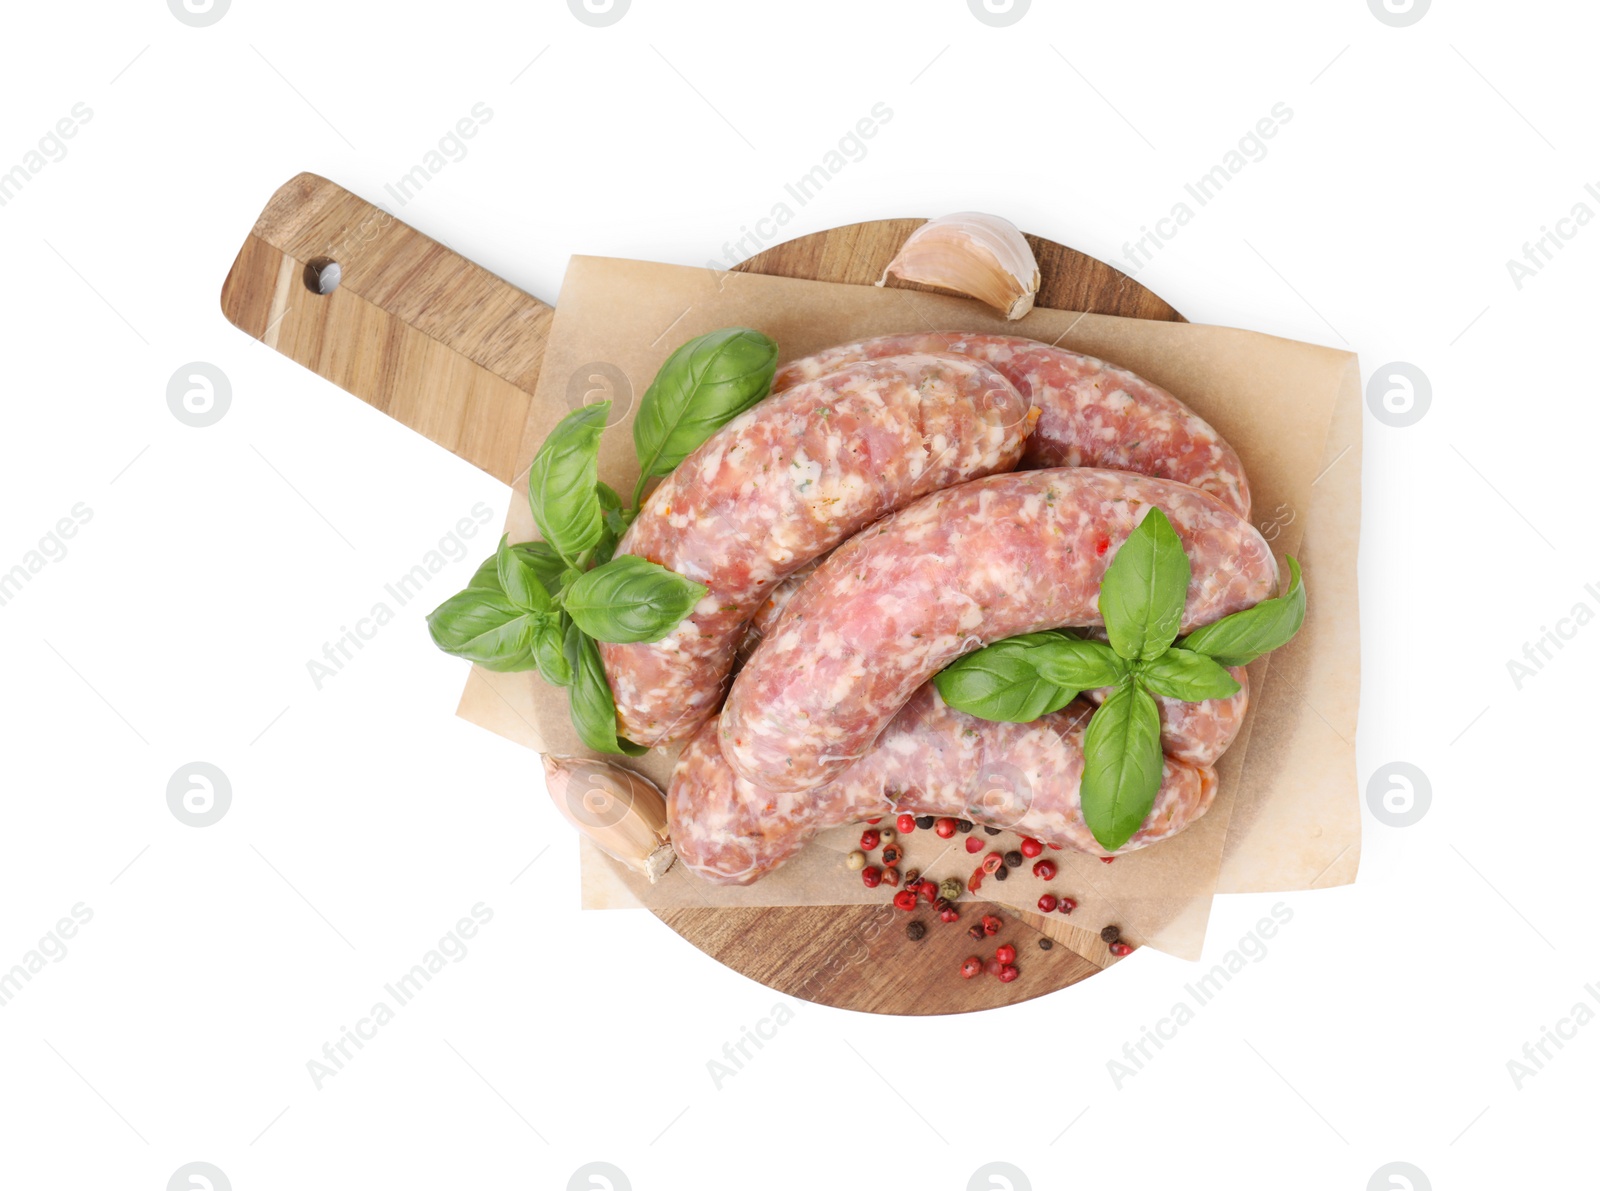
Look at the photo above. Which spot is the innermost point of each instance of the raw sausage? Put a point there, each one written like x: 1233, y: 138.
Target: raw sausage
x: 987, y: 559
x: 930, y: 760
x: 1092, y: 414
x: 784, y: 483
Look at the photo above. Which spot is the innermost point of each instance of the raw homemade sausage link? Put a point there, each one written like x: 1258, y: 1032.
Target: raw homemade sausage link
x: 1091, y: 414
x: 785, y: 482
x: 930, y: 760
x: 988, y: 559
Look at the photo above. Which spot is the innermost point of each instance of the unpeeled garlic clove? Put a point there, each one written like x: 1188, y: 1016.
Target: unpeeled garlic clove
x: 622, y: 812
x: 982, y: 256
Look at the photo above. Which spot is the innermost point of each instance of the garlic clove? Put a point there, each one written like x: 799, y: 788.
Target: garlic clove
x: 981, y: 256
x: 622, y: 812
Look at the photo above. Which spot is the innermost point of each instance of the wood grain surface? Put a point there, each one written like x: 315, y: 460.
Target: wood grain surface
x: 452, y: 351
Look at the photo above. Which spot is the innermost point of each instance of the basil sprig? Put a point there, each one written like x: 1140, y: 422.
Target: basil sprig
x: 1142, y: 598
x: 705, y: 384
x: 543, y: 605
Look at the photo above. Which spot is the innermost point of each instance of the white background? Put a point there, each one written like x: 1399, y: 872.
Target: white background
x: 366, y: 819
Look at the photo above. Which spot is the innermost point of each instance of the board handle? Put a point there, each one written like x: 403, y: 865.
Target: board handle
x: 410, y: 327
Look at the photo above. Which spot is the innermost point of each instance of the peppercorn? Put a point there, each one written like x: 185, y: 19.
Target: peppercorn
x: 886, y: 835
x: 993, y: 967
x: 944, y: 828
x: 975, y: 880
x: 1066, y: 905
x: 906, y: 823
x: 992, y: 830
x: 1001, y: 873
x: 970, y: 967
x: 1047, y: 902
x: 1031, y: 847
x: 992, y: 862
x: 1107, y: 859
x: 1008, y: 973
x: 869, y: 840
x: 856, y: 861
x: 1013, y: 859
x: 992, y: 924
x: 913, y: 875
x: 974, y: 844
x: 948, y: 914
x: 1110, y: 933
x: 1045, y: 870
x: 891, y: 876
x: 905, y: 900
x: 929, y: 891
x: 874, y: 822
x: 923, y: 822
x: 871, y: 875
x: 976, y: 931
x: 891, y: 853
x: 950, y: 889
x: 963, y: 825
x: 1045, y: 944
x: 915, y: 931
x: 1120, y: 949
x: 1006, y: 953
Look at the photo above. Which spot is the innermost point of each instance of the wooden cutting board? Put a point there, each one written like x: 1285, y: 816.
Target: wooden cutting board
x: 452, y: 351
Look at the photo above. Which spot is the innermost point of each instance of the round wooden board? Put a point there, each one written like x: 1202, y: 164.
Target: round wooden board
x: 858, y: 957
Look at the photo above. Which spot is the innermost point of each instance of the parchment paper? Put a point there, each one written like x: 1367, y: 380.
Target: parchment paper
x: 1287, y: 816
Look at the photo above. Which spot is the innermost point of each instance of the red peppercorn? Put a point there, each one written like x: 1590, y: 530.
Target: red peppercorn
x: 948, y: 914
x: 992, y: 862
x: 905, y: 900
x: 991, y: 924
x: 891, y: 853
x: 1006, y: 953
x: 1008, y: 973
x: 1031, y: 847
x: 1121, y: 949
x: 870, y: 822
x: 1047, y: 902
x: 869, y: 840
x: 891, y: 876
x: 970, y: 967
x: 975, y: 880
x: 871, y: 875
x: 906, y: 823
x: 1054, y: 847
x: 1066, y: 905
x: 1107, y: 859
x: 1045, y: 870
x: 976, y: 931
x: 944, y: 828
x: 974, y: 844
x: 929, y: 890
x: 993, y: 967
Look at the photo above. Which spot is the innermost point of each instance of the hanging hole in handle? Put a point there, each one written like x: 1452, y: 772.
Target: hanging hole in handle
x: 322, y: 275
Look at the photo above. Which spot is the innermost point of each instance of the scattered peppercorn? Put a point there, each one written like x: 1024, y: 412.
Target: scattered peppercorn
x: 993, y: 967
x: 906, y: 823
x: 1031, y: 847
x: 891, y: 853
x: 1001, y: 873
x: 915, y: 931
x: 975, y: 880
x: 1066, y: 905
x: 992, y: 924
x: 976, y: 931
x: 948, y: 914
x: 1047, y: 902
x: 856, y: 861
x: 970, y: 967
x: 1120, y: 949
x: 923, y: 822
x: 963, y: 825
x: 1008, y: 973
x: 872, y: 822
x: 913, y: 875
x: 1013, y: 859
x: 944, y: 828
x: 930, y: 891
x: 869, y: 840
x: 950, y: 889
x: 1107, y: 859
x: 1045, y: 870
x: 992, y: 830
x: 1110, y: 933
x: 871, y: 875
x: 886, y: 834
x: 992, y: 862
x: 974, y: 844
x: 905, y: 900
x: 1045, y: 944
x: 891, y: 876
x: 1006, y: 953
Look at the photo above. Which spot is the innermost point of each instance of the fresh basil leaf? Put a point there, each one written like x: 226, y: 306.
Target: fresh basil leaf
x: 705, y: 384
x: 631, y: 599
x: 607, y: 496
x: 607, y: 545
x: 1184, y: 674
x: 593, y: 710
x: 1079, y: 665
x: 487, y: 628
x: 545, y: 563
x: 561, y: 482
x: 549, y: 642
x: 1240, y: 639
x: 1122, y: 765
x: 1002, y: 682
x: 519, y: 580
x: 1144, y: 588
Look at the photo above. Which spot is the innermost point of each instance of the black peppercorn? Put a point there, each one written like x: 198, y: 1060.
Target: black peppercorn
x: 975, y: 930
x: 1013, y: 859
x: 924, y: 821
x: 1110, y: 933
x: 992, y: 830
x: 1045, y: 944
x: 915, y: 931
x: 1001, y: 873
x: 963, y: 825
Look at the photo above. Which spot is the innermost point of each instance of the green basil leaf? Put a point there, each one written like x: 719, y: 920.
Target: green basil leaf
x: 487, y: 628
x: 1184, y: 674
x: 561, y: 482
x: 1002, y: 681
x: 1143, y: 591
x: 544, y: 561
x: 549, y: 648
x: 1080, y: 665
x: 593, y: 711
x: 631, y: 599
x: 519, y: 580
x: 607, y: 496
x: 705, y: 384
x: 1240, y: 639
x: 1122, y: 765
